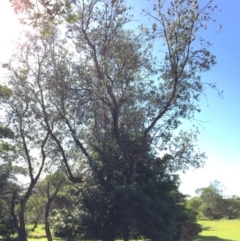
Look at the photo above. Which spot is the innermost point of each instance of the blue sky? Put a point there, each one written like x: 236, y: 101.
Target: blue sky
x: 220, y: 138
x: 220, y: 134
x: 220, y: 131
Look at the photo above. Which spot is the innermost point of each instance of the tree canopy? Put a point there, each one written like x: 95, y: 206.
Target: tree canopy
x: 105, y: 77
x: 210, y: 203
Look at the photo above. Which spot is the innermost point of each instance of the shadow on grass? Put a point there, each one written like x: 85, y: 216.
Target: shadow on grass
x: 211, y: 238
x: 206, y: 228
x: 36, y: 236
x: 41, y: 237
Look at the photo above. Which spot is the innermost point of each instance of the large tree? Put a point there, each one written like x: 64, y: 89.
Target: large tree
x: 100, y: 84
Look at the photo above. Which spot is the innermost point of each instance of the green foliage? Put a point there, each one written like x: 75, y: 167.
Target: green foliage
x: 5, y: 92
x: 232, y: 207
x: 66, y: 221
x: 210, y: 204
x: 213, y: 204
x: 6, y: 132
x: 195, y: 204
x: 108, y: 207
x: 7, y: 231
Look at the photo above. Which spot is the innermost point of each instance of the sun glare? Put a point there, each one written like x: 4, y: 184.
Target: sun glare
x: 9, y: 30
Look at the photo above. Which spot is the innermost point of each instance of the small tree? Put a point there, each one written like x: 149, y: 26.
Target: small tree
x: 108, y: 207
x: 194, y: 204
x: 66, y: 221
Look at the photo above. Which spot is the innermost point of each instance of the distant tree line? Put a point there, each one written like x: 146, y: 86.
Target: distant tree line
x: 211, y: 204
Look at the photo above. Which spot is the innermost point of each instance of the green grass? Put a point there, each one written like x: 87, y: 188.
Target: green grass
x: 39, y: 234
x: 220, y: 230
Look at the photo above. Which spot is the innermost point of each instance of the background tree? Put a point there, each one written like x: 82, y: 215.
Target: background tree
x: 42, y: 198
x: 7, y: 177
x: 29, y: 151
x: 7, y: 185
x: 54, y: 183
x: 213, y: 203
x: 195, y: 204
x: 65, y: 220
x: 34, y: 213
x: 232, y: 207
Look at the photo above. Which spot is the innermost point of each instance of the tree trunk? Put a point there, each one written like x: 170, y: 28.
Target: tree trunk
x: 48, y: 232
x: 22, y: 234
x: 71, y: 238
x: 47, y: 210
x: 18, y: 223
x: 126, y: 235
x: 133, y: 171
x: 35, y: 224
x: 47, y: 225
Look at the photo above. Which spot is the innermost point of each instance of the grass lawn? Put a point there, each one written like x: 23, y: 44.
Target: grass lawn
x: 220, y: 230
x: 39, y: 234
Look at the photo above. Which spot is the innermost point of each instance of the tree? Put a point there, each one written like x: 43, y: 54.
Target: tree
x: 7, y: 184
x: 232, y: 207
x: 34, y: 213
x: 103, y: 85
x: 7, y: 231
x: 54, y: 184
x: 42, y: 198
x: 25, y: 140
x: 65, y: 220
x: 213, y: 203
x: 194, y: 204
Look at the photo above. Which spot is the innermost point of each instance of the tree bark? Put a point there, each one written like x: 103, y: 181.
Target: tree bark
x: 71, y: 238
x: 47, y: 210
x: 18, y: 223
x: 35, y: 223
x: 47, y: 225
x: 126, y: 235
x: 22, y: 234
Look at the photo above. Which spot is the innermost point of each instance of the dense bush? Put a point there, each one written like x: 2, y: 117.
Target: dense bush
x: 7, y: 232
